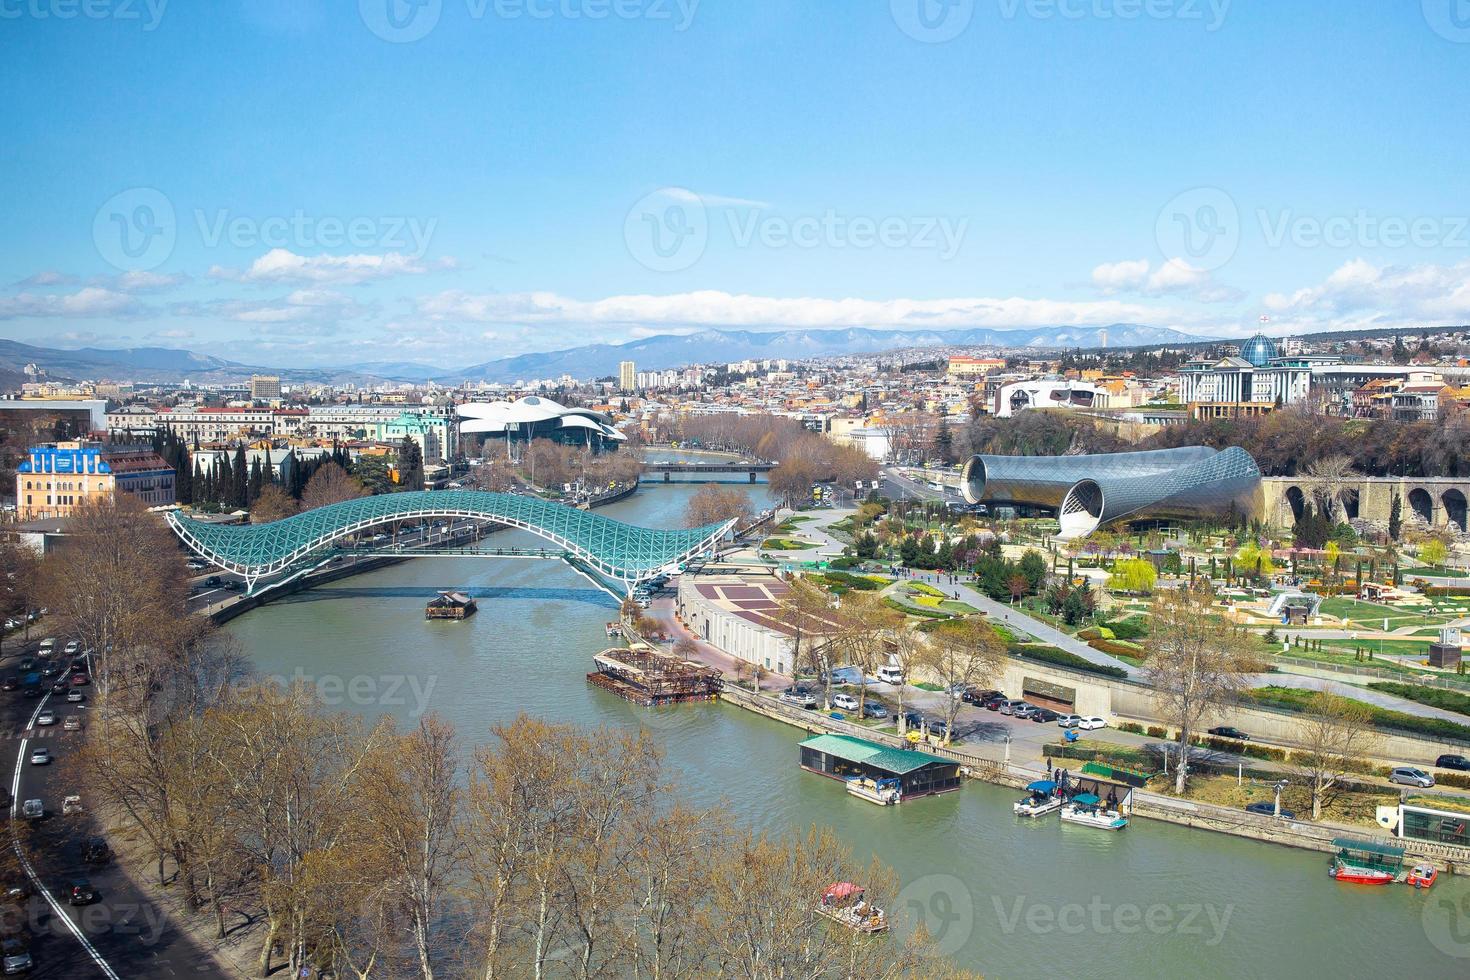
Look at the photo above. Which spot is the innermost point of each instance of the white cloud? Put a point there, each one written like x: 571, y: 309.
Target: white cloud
x: 90, y: 301
x: 281, y: 265
x: 48, y: 278
x: 1175, y: 277
x: 317, y: 307
x: 1417, y: 292
x: 686, y: 196
x: 139, y: 281
x: 1114, y: 277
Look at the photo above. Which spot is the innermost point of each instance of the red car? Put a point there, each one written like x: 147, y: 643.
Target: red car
x: 80, y: 680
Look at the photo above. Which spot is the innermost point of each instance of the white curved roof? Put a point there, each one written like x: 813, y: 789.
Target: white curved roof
x: 498, y: 416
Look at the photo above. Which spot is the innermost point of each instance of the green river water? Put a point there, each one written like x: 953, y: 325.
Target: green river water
x: 1008, y: 897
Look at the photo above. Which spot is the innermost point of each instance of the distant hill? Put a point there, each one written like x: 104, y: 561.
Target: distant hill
x: 155, y: 364
x: 671, y: 351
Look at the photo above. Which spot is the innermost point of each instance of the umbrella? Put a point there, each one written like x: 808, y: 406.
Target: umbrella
x: 842, y: 889
x: 1042, y: 786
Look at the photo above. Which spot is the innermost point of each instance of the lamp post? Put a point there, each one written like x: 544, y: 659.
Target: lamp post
x: 1280, y: 785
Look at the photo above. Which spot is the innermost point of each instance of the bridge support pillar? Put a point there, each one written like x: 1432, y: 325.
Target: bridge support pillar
x: 752, y: 476
x: 668, y: 477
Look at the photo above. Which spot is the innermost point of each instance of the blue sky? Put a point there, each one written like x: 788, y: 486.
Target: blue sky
x: 449, y: 181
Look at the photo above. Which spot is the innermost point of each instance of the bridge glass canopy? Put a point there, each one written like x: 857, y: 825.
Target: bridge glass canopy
x: 618, y: 550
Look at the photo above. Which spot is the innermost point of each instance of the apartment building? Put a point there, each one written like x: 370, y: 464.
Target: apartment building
x: 53, y: 480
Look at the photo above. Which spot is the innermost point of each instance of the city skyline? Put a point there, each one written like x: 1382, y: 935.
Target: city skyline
x: 422, y: 192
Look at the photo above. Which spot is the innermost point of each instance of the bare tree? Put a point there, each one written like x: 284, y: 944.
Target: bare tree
x: 330, y: 485
x: 1194, y: 666
x: 1333, y: 479
x: 962, y: 653
x: 807, y: 609
x: 714, y: 504
x: 1336, y: 733
x: 273, y: 504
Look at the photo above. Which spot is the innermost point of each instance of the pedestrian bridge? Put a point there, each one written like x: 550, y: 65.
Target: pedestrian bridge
x: 617, y: 551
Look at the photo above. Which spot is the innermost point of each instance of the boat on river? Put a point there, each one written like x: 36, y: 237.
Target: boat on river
x: 1089, y: 811
x: 844, y: 903
x: 1422, y: 875
x: 1042, y: 799
x: 1366, y: 862
x: 884, y: 792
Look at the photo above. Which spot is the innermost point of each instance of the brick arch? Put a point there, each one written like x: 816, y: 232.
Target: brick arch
x: 1421, y: 504
x: 1453, y: 501
x: 1296, y: 500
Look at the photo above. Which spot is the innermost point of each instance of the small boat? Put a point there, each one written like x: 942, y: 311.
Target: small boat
x: 1422, y: 875
x: 614, y: 629
x: 1087, y: 809
x: 843, y: 903
x: 1360, y: 876
x: 883, y: 792
x: 1043, y: 799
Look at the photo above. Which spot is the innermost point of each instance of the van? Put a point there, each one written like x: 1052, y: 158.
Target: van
x: 890, y: 674
x: 844, y: 701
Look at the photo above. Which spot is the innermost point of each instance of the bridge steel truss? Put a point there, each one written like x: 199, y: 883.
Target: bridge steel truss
x: 621, y: 552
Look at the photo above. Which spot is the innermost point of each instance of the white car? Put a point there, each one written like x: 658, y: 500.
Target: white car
x: 41, y: 757
x: 844, y: 701
x: 1068, y: 721
x: 1088, y: 724
x: 46, y: 717
x: 72, y: 646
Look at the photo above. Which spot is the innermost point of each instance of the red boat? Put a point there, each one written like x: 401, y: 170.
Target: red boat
x: 1360, y: 876
x: 1422, y: 876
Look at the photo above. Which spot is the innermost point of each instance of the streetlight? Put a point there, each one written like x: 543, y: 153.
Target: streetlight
x: 1280, y: 785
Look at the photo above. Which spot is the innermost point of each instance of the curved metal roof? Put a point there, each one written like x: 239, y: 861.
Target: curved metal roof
x: 617, y: 550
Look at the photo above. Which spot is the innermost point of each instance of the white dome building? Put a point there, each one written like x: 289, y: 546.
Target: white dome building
x: 534, y: 417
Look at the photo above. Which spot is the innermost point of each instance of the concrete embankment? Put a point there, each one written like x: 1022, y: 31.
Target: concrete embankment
x: 1150, y: 806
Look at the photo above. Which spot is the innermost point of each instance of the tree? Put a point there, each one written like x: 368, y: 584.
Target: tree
x: 410, y: 465
x: 240, y: 480
x: 1255, y: 561
x: 1335, y: 733
x: 1333, y: 479
x: 1134, y: 575
x: 1433, y: 552
x: 714, y: 504
x: 866, y: 626
x: 373, y: 473
x: 792, y: 481
x: 1395, y: 517
x: 273, y: 504
x: 962, y: 653
x: 807, y: 609
x: 330, y: 485
x: 1193, y: 665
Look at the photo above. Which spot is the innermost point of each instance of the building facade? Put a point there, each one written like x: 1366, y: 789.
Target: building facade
x: 52, y: 481
x: 627, y: 376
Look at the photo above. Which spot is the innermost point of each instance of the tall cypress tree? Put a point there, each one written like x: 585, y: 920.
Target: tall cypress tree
x: 222, y: 479
x: 240, y: 487
x: 1395, y: 517
x: 257, y: 478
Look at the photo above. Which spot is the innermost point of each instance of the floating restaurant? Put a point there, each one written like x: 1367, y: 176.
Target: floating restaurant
x: 648, y: 677
x: 846, y: 757
x: 450, y: 605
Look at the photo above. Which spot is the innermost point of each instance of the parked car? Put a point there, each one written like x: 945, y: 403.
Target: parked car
x: 1068, y: 721
x: 976, y: 696
x: 1093, y: 722
x: 1268, y: 808
x: 79, y: 892
x: 14, y: 956
x: 993, y: 702
x: 1024, y: 710
x: 912, y: 719
x: 1453, y: 762
x: 844, y: 701
x: 195, y: 565
x: 41, y: 756
x: 46, y: 717
x: 872, y: 709
x: 1009, y: 706
x: 96, y: 851
x: 1409, y: 776
x: 889, y: 674
x: 1226, y: 731
x: 72, y: 723
x: 799, y: 698
x: 938, y: 727
x: 1045, y: 716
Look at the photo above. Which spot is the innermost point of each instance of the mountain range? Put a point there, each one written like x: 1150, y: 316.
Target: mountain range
x: 656, y: 353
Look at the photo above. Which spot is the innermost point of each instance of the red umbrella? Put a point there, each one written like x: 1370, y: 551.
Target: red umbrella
x: 842, y: 889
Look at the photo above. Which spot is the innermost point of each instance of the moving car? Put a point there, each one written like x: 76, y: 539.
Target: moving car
x: 96, y: 851
x: 75, y: 697
x: 48, y: 643
x: 1268, y: 808
x: 844, y: 701
x: 41, y: 756
x: 11, y: 683
x: 1226, y: 731
x: 1409, y: 776
x: 79, y: 892
x: 72, y: 646
x: 14, y: 957
x: 1090, y: 723
x: 46, y: 717
x: 33, y: 809
x: 80, y: 679
x: 1453, y: 762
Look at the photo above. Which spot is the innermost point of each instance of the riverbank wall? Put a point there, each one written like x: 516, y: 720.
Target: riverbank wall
x: 1149, y: 806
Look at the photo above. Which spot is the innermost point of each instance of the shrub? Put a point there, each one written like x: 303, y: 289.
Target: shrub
x: 1459, y: 779
x: 1132, y: 628
x: 1122, y: 647
x: 1432, y: 696
x: 1129, y: 726
x: 1062, y: 658
x: 1293, y: 699
x: 844, y: 562
x: 1095, y: 633
x: 1154, y: 731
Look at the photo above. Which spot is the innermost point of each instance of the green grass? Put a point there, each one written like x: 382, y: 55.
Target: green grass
x: 1370, y: 615
x: 903, y: 607
x: 1426, y: 572
x: 1061, y: 658
x: 785, y: 544
x: 958, y: 608
x: 1296, y: 699
x: 1331, y: 655
x: 1433, y: 696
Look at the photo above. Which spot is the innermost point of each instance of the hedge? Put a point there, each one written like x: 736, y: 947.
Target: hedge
x: 1293, y: 699
x: 1433, y: 696
x: 1062, y: 658
x: 893, y: 603
x: 1135, y: 627
x: 1122, y: 647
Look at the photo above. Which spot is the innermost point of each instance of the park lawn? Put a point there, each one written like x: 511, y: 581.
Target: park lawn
x: 1396, y: 647
x: 1296, y: 699
x: 1435, y: 697
x: 1423, y: 572
x: 1341, y: 658
x: 785, y: 544
x: 1370, y: 615
x: 958, y: 608
x: 1349, y: 808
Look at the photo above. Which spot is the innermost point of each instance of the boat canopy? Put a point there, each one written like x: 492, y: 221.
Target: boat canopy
x: 1086, y: 799
x: 1042, y: 786
x: 1368, y: 847
x: 842, y: 889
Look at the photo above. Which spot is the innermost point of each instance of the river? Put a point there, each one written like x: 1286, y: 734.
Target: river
x: 1003, y: 896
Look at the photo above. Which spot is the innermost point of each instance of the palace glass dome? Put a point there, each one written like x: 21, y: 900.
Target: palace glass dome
x: 1259, y: 350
